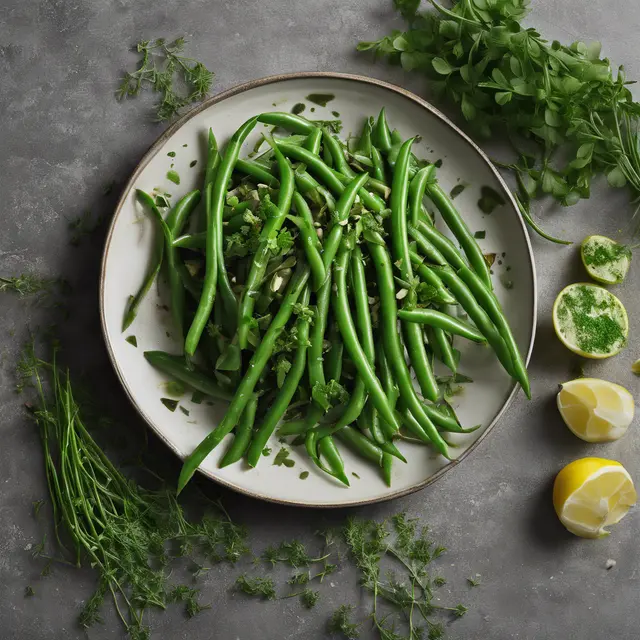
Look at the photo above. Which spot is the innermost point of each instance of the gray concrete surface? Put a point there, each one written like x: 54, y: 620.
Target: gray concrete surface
x: 63, y: 136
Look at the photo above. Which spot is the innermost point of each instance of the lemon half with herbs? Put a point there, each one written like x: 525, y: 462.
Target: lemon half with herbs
x: 590, y: 321
x: 605, y: 260
x: 596, y: 410
x: 592, y: 494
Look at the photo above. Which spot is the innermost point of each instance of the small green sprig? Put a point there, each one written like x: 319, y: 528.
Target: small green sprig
x: 180, y: 80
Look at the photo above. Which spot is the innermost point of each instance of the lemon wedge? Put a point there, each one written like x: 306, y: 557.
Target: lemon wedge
x: 605, y: 260
x: 590, y: 321
x: 592, y: 494
x: 596, y: 410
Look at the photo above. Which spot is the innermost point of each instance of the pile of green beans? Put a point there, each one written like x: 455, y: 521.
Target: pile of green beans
x: 311, y: 288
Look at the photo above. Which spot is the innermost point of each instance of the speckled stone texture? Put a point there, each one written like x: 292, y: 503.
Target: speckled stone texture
x: 63, y: 137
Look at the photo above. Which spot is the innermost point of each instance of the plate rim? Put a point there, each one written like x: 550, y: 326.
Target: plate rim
x: 272, y: 79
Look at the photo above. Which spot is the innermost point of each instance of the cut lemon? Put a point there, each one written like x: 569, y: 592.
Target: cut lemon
x: 605, y: 260
x: 590, y: 321
x: 592, y: 494
x: 596, y: 410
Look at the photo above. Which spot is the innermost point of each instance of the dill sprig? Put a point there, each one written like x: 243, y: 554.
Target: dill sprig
x: 123, y: 530
x: 403, y: 596
x: 341, y: 623
x: 180, y: 80
x: 28, y: 285
x: 257, y: 586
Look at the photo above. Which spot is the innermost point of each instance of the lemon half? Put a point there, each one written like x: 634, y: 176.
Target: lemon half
x: 590, y: 321
x: 605, y: 260
x: 596, y: 410
x: 592, y: 494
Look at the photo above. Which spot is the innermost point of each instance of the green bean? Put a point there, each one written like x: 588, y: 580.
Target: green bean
x: 364, y: 143
x: 333, y: 360
x: 487, y: 300
x: 444, y: 421
x: 477, y: 314
x: 460, y: 230
x: 213, y: 160
x: 286, y: 392
x: 414, y: 427
x: 215, y: 271
x: 330, y: 453
x: 416, y: 192
x: 191, y: 241
x: 360, y: 444
x: 396, y: 138
x: 376, y: 192
x: 429, y: 277
x: 400, y: 243
x: 254, y: 371
x: 387, y: 465
x: 302, y: 209
x: 326, y: 156
x: 261, y: 256
x: 443, y: 321
x: 352, y: 344
x: 256, y: 171
x: 289, y: 121
x: 427, y: 248
x: 314, y: 141
x: 337, y: 153
x: 327, y: 176
x: 393, y: 347
x: 243, y: 432
x: 154, y: 268
x: 381, y: 136
x: 310, y: 243
x: 360, y: 160
x: 447, y: 354
x: 179, y: 214
x: 309, y: 186
x: 347, y: 198
x: 176, y: 367
x: 378, y: 164
x: 176, y: 287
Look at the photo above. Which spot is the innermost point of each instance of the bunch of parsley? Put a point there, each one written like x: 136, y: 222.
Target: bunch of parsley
x: 568, y: 114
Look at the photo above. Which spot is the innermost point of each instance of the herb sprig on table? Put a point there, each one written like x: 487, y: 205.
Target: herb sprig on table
x: 180, y: 80
x: 569, y: 116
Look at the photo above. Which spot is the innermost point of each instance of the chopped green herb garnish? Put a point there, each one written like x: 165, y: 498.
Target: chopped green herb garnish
x: 173, y: 176
x: 480, y: 235
x: 473, y: 582
x: 335, y: 114
x: 132, y: 340
x: 172, y: 154
x: 489, y: 200
x: 298, y: 108
x: 304, y: 475
x: 169, y: 403
x: 193, y: 163
x: 174, y: 388
x: 27, y: 285
x: 185, y: 411
x: 490, y: 258
x: 355, y: 475
x: 28, y: 592
x: 266, y: 451
x: 282, y: 458
x: 457, y: 190
x: 321, y: 99
x: 438, y: 163
x: 197, y: 397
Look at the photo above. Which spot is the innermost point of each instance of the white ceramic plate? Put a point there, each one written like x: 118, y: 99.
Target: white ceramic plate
x: 128, y: 250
